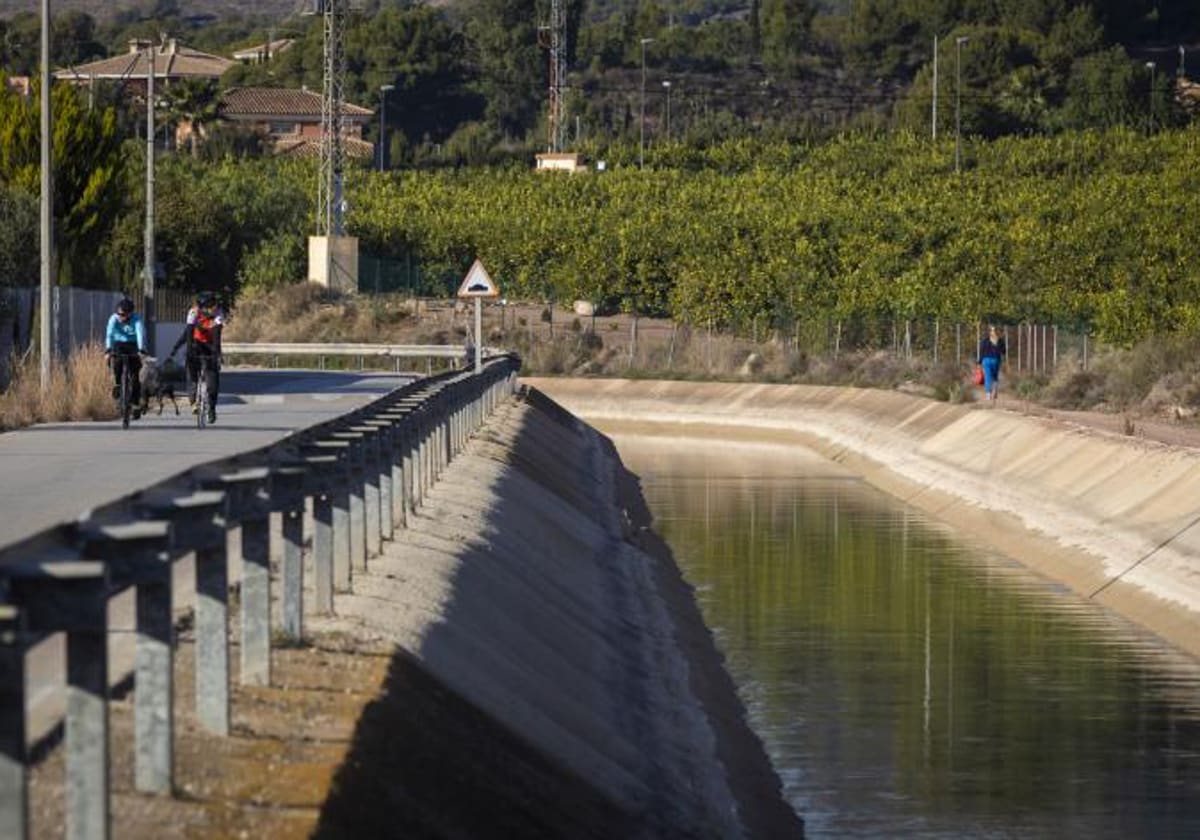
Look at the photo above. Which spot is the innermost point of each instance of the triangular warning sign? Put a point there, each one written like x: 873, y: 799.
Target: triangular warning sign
x: 478, y: 283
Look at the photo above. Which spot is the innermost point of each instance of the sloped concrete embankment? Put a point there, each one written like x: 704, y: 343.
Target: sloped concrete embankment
x: 553, y: 678
x: 1115, y: 518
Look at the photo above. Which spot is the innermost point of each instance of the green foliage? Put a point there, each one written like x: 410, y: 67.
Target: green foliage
x: 1078, y: 229
x: 18, y: 237
x: 88, y: 171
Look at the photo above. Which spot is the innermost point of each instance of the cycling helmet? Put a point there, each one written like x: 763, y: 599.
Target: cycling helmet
x: 206, y: 299
x: 125, y: 306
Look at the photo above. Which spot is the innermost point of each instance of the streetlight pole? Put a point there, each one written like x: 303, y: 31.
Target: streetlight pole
x: 958, y: 45
x: 383, y: 92
x: 935, y: 86
x: 642, y: 118
x: 667, y: 87
x: 47, y: 205
x: 1151, y: 66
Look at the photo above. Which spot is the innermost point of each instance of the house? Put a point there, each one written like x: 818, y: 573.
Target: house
x: 260, y: 53
x: 172, y: 62
x: 291, y: 119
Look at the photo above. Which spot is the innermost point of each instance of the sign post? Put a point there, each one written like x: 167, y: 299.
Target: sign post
x: 478, y: 284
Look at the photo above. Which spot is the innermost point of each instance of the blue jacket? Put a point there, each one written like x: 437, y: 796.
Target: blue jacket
x: 119, y: 332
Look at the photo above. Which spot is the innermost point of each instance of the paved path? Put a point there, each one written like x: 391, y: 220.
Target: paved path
x: 51, y: 473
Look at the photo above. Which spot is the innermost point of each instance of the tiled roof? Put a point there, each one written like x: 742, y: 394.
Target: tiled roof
x: 310, y: 147
x: 279, y: 102
x: 170, y: 61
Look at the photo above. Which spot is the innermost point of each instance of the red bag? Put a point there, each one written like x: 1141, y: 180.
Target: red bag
x: 978, y: 376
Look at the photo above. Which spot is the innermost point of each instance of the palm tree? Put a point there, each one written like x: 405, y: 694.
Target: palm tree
x: 192, y: 101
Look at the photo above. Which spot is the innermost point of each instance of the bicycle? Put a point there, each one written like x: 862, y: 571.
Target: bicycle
x: 202, y: 391
x: 125, y: 392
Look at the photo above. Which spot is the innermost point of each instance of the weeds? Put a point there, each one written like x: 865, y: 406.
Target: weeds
x: 79, y: 390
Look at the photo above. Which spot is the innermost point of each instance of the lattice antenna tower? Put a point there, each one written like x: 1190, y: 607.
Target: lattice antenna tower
x: 554, y: 38
x: 333, y: 157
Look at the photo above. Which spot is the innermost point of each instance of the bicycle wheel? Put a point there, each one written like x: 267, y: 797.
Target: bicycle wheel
x: 126, y: 387
x: 202, y: 396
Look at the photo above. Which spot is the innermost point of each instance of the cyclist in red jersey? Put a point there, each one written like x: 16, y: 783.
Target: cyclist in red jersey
x: 202, y: 334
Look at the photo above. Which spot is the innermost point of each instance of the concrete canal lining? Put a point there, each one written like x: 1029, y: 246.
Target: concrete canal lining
x: 1115, y: 518
x: 530, y: 588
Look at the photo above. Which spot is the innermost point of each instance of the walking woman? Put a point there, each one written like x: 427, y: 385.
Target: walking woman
x: 992, y: 350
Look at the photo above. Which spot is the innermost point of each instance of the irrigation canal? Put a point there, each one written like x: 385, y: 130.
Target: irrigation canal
x: 906, y: 682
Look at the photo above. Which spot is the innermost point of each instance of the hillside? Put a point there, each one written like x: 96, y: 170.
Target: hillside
x: 105, y: 10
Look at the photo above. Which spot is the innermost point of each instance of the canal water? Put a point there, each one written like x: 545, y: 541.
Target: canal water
x: 906, y: 682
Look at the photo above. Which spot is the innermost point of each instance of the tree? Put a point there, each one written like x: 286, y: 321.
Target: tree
x: 785, y: 25
x: 89, y: 165
x: 510, y: 72
x: 192, y: 101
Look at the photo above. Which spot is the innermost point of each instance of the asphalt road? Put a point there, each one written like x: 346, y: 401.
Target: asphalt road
x: 52, y: 473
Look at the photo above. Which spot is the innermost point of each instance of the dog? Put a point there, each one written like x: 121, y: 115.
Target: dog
x: 158, y: 383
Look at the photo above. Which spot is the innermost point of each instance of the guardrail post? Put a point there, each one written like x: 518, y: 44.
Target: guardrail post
x: 337, y: 497
x: 249, y: 489
x: 356, y: 488
x: 199, y: 522
x: 72, y: 596
x: 139, y: 554
x: 323, y: 476
x: 14, y: 785
x: 381, y: 469
x: 287, y: 497
x: 372, y: 492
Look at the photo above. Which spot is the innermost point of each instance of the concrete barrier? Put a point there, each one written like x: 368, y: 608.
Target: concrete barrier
x: 345, y: 471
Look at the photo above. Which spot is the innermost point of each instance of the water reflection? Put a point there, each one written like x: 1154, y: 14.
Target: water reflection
x: 908, y: 683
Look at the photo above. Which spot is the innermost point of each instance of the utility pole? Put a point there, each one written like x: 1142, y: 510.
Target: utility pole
x: 383, y: 92
x: 935, y: 86
x: 148, y: 314
x: 667, y: 88
x: 1151, y: 66
x: 47, y: 207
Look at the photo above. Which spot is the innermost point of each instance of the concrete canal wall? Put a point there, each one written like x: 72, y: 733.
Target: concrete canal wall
x: 528, y: 586
x: 1114, y: 517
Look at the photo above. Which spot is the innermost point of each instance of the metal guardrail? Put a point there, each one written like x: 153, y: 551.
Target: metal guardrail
x: 363, y: 472
x: 400, y: 351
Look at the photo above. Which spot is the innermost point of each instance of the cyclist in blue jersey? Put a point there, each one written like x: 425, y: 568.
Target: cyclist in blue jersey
x: 124, y: 341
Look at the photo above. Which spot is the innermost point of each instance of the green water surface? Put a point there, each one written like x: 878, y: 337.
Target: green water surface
x: 907, y: 682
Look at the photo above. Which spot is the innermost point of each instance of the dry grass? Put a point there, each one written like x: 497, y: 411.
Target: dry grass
x: 79, y: 390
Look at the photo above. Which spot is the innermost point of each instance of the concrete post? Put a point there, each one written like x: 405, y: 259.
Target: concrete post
x: 212, y: 639
x: 87, y: 718
x: 342, y: 539
x: 293, y: 574
x: 14, y: 787
x: 256, y: 601
x: 356, y: 506
x: 249, y: 489
x: 154, y: 697
x: 323, y: 552
x: 289, y: 478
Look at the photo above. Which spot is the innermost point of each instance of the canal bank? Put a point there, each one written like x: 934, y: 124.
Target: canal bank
x: 1114, y: 518
x: 521, y: 660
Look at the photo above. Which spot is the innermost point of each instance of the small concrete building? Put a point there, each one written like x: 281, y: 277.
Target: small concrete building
x: 560, y: 162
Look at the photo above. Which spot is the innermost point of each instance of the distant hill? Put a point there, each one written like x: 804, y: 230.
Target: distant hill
x: 103, y: 10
